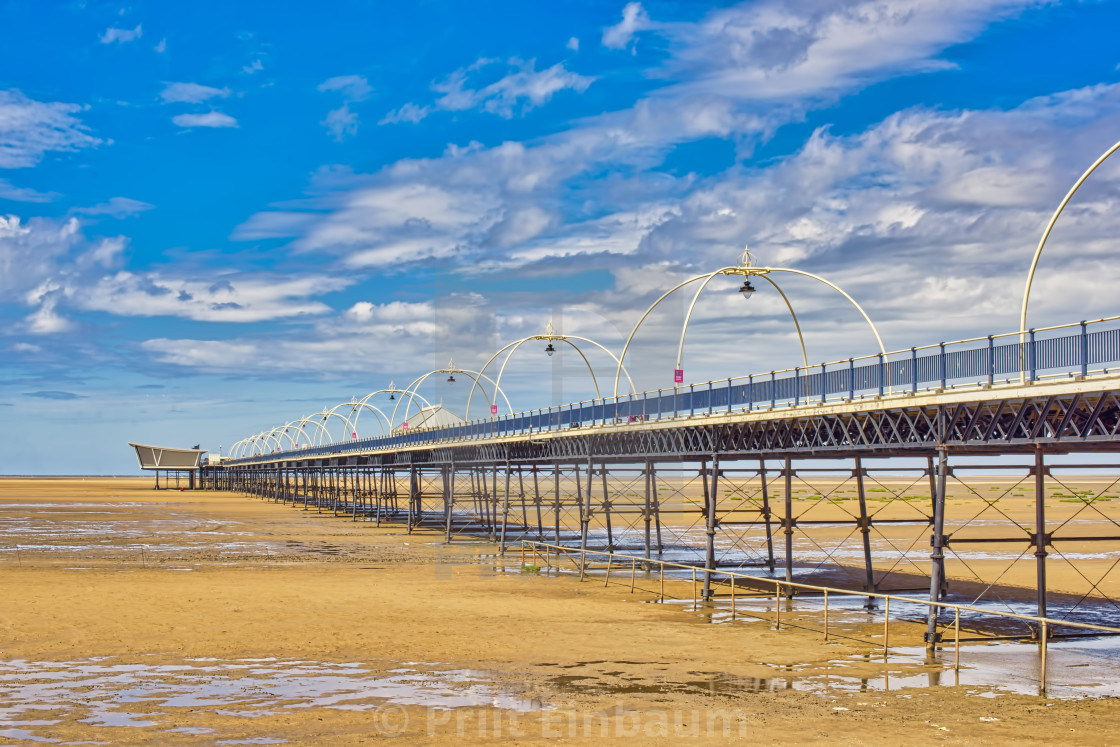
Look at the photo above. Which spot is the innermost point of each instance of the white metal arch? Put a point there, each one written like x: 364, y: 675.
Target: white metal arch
x: 549, y: 335
x: 392, y: 392
x: 326, y: 415
x: 297, y: 426
x: 355, y: 409
x: 451, y: 369
x: 1042, y: 243
x: 237, y: 446
x: 746, y: 269
x: 320, y: 430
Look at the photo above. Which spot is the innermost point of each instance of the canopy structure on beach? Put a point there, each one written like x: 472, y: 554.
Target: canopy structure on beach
x: 170, y: 460
x: 167, y: 457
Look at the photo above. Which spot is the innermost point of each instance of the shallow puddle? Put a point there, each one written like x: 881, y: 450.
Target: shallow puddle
x: 102, y: 693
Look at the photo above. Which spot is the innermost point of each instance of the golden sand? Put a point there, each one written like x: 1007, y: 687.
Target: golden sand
x: 134, y: 616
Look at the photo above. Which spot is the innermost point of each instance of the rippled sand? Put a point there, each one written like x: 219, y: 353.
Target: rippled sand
x: 131, y: 616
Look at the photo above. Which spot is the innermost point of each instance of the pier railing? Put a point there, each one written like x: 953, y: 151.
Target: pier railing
x: 1084, y: 349
x: 708, y: 579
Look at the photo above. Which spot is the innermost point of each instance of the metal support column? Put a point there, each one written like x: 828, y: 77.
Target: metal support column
x: 505, y: 510
x: 787, y: 523
x: 766, y: 514
x: 865, y: 530
x: 647, y: 511
x: 710, y: 555
x: 937, y: 557
x: 1041, y: 539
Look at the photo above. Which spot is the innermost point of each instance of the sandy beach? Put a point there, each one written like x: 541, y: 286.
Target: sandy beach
x: 134, y: 616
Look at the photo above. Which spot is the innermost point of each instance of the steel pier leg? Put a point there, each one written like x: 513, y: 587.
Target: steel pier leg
x: 448, y: 498
x: 710, y: 556
x: 865, y: 530
x: 938, y: 555
x: 788, y: 523
x: 1041, y: 540
x: 505, y: 512
x: 647, y: 512
x: 607, y: 511
x: 766, y: 514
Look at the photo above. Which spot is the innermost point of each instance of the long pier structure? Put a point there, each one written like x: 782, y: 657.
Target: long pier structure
x: 977, y: 470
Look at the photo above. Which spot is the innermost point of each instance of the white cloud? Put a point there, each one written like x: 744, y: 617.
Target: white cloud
x: 191, y: 93
x: 408, y: 113
x: 341, y: 122
x: 352, y: 87
x: 9, y: 191
x: 29, y: 129
x: 121, y: 36
x: 116, y: 207
x: 778, y: 51
x: 45, y: 320
x: 634, y: 19
x: 353, y: 341
x: 902, y: 214
x: 53, y: 268
x: 526, y: 86
x: 209, y: 119
x: 573, y: 44
x: 161, y: 47
x: 31, y: 251
x: 234, y: 298
x: 518, y: 91
x: 253, y: 67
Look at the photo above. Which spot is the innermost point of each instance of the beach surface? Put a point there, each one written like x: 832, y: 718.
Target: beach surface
x: 135, y: 616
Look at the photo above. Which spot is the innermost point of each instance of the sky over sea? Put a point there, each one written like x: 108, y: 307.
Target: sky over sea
x: 216, y: 218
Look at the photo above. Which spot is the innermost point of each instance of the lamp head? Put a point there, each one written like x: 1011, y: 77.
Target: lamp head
x: 550, y: 350
x: 746, y: 288
x: 451, y: 379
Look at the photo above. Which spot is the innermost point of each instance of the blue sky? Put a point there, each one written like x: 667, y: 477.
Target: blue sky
x: 216, y: 218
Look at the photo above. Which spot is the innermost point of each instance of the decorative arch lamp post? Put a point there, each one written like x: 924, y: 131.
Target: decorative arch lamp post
x: 1038, y: 253
x: 450, y: 369
x: 745, y: 269
x: 550, y: 335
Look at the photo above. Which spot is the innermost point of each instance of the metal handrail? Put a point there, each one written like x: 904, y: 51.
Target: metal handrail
x: 1044, y: 623
x: 989, y: 365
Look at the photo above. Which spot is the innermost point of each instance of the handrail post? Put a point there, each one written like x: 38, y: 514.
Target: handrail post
x: 851, y: 378
x: 709, y: 398
x: 692, y: 400
x: 944, y: 365
x: 882, y: 371
x: 1084, y: 350
x: 826, y: 614
x: 957, y: 639
x: 991, y: 360
x: 1031, y: 357
x: 750, y: 392
x: 796, y: 387
x: 824, y: 380
x: 1042, y: 669
x: 886, y: 623
x: 773, y: 390
x: 914, y: 370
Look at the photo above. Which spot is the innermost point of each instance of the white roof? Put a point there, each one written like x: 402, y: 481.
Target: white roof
x: 166, y: 457
x: 432, y: 416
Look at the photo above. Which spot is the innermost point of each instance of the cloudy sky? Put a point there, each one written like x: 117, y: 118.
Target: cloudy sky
x: 216, y: 218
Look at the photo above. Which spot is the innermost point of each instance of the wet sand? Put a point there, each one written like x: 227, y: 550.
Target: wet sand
x: 132, y: 616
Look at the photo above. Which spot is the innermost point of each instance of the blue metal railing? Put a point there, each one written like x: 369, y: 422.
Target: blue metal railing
x: 1081, y: 349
